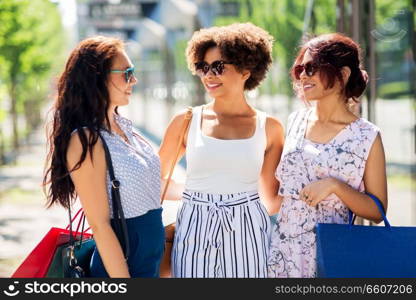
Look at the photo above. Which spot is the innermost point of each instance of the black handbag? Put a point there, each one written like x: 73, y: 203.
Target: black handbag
x: 72, y: 259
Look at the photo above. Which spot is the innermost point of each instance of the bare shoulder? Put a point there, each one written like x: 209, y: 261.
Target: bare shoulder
x: 377, y: 146
x: 75, y: 140
x: 74, y: 150
x: 274, y: 127
x: 179, y: 117
x: 274, y: 133
x: 177, y: 120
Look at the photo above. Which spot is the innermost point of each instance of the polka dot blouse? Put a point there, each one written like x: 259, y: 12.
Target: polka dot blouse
x: 137, y: 167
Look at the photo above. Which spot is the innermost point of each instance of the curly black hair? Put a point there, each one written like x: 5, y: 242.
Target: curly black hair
x: 245, y: 45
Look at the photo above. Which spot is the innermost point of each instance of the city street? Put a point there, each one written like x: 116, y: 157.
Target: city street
x: 24, y: 219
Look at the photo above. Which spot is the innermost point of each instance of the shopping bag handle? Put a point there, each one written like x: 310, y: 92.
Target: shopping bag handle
x: 75, y: 217
x: 81, y: 220
x: 81, y: 215
x: 352, y: 216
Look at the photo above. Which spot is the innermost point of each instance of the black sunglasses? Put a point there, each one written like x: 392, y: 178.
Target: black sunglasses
x: 217, y: 67
x: 310, y: 69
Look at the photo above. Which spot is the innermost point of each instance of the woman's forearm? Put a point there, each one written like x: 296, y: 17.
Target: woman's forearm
x: 268, y: 192
x: 110, y: 251
x: 359, y: 203
x: 272, y: 204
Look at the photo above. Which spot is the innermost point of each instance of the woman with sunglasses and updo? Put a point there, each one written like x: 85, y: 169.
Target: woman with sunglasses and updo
x: 331, y: 159
x: 98, y: 78
x: 232, y: 150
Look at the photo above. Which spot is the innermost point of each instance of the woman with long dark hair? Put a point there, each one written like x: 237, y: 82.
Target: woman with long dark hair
x: 331, y: 158
x: 98, y: 78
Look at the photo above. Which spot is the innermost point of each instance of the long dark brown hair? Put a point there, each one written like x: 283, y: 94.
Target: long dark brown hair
x: 82, y: 103
x: 332, y: 52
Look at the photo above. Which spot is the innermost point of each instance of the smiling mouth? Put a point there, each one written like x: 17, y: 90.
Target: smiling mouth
x: 308, y: 86
x: 212, y: 86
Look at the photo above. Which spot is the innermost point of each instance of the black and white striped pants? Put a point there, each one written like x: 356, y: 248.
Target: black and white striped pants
x: 221, y: 236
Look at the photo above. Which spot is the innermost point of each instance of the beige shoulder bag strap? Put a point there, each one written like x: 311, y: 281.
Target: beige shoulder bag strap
x: 185, y: 125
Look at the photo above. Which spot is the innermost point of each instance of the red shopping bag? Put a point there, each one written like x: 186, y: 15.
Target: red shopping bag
x: 38, y: 261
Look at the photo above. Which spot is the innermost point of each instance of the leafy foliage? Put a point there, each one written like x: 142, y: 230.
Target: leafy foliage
x: 31, y: 38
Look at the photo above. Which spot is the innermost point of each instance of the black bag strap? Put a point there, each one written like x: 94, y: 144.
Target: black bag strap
x: 120, y: 225
x: 71, y: 238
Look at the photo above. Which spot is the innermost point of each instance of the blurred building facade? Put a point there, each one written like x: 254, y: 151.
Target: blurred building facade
x: 156, y: 32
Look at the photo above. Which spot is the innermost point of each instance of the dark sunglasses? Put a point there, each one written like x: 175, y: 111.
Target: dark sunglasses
x: 217, y: 67
x: 310, y: 69
x: 128, y: 73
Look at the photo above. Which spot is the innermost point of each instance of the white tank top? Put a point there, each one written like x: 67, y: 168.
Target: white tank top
x: 224, y: 166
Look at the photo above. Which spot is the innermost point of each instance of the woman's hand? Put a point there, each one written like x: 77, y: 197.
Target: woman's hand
x: 362, y: 205
x: 317, y: 191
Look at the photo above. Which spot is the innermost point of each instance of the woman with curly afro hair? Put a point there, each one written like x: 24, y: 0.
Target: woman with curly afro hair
x: 232, y: 150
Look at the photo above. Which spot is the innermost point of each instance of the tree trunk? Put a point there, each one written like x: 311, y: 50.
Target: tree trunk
x: 2, y: 154
x: 13, y: 112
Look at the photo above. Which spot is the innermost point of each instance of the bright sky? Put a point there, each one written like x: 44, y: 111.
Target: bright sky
x: 68, y: 11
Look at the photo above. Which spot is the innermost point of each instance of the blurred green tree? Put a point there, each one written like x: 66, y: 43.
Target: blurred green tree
x: 31, y: 40
x: 287, y: 21
x: 395, y: 35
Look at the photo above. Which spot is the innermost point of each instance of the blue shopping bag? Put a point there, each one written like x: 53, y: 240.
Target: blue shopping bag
x: 348, y: 250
